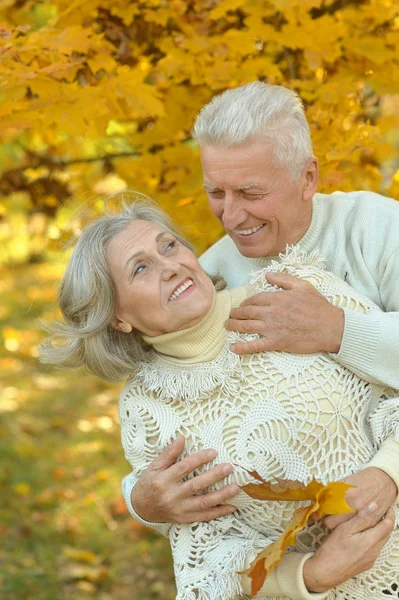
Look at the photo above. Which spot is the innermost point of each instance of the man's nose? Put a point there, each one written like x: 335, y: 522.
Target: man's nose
x: 233, y: 212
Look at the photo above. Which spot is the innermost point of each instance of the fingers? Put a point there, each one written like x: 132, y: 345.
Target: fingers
x: 332, y: 521
x: 387, y: 523
x: 364, y: 519
x: 245, y: 326
x: 205, y: 502
x: 184, y: 467
x: 169, y: 455
x: 199, y: 483
x: 286, y: 281
x: 252, y: 347
x: 261, y: 299
x: 378, y: 535
x: 315, y: 516
x: 249, y: 311
x: 212, y: 513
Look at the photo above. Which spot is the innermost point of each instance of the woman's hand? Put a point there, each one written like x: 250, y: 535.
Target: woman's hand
x: 350, y: 549
x: 160, y: 496
x: 370, y: 485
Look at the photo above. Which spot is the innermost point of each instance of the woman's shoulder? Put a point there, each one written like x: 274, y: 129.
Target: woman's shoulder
x: 310, y: 267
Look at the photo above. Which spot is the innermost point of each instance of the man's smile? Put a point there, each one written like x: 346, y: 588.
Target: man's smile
x: 247, y: 232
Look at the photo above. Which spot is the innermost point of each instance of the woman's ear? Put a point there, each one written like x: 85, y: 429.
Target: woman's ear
x: 121, y: 325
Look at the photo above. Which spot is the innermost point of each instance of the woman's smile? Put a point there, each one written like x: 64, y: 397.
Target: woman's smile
x: 183, y: 290
x: 154, y: 274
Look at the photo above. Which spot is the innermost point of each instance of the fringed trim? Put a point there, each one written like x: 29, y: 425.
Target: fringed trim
x: 294, y: 258
x: 191, y: 382
x: 194, y: 382
x: 220, y: 589
x: 219, y: 586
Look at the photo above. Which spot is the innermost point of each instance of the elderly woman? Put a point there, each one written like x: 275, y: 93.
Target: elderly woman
x: 137, y: 304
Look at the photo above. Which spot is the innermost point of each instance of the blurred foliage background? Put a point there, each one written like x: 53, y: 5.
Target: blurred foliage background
x: 99, y: 97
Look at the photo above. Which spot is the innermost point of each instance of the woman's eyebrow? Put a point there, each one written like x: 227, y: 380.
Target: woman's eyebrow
x: 141, y: 252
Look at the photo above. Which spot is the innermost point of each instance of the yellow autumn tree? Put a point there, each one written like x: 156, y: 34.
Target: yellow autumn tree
x: 98, y: 97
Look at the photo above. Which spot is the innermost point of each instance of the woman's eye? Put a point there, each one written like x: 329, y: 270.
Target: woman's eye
x: 171, y: 245
x: 138, y: 269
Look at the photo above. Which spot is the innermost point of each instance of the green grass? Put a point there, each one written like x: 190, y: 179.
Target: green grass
x: 64, y: 528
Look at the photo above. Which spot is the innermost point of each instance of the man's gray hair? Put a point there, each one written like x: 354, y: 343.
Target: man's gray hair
x: 258, y: 112
x: 87, y: 298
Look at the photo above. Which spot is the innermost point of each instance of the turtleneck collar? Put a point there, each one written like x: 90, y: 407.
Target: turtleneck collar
x: 203, y: 341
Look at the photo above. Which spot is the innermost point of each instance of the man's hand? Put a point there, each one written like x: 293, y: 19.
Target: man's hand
x: 160, y: 496
x: 350, y: 549
x: 298, y: 319
x: 371, y: 486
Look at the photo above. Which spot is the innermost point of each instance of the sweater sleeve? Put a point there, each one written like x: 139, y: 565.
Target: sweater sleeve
x: 128, y: 484
x: 209, y: 558
x: 370, y: 344
x: 140, y: 419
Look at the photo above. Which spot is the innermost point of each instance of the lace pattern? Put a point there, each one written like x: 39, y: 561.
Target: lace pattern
x: 283, y: 415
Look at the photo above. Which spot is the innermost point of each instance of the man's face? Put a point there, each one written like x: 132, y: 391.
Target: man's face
x: 259, y: 206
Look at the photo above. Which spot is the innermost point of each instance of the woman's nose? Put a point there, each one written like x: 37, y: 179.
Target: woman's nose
x: 169, y: 268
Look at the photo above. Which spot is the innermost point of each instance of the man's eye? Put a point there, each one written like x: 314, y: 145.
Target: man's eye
x: 254, y: 196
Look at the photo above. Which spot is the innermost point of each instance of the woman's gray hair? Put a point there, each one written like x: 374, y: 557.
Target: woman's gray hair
x: 87, y: 298
x: 258, y: 112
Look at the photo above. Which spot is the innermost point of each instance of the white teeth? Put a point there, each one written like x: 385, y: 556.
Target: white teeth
x: 181, y: 289
x: 248, y: 231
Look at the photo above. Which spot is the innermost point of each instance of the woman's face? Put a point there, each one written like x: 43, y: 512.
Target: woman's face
x: 159, y: 283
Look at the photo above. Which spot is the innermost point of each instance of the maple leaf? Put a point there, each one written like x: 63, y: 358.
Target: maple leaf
x: 325, y: 499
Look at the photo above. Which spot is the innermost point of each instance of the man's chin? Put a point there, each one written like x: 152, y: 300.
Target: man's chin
x: 258, y: 250
x: 251, y: 252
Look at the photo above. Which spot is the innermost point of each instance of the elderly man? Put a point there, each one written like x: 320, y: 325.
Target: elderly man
x: 261, y: 177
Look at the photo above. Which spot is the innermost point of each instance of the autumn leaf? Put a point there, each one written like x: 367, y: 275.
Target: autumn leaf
x: 325, y: 499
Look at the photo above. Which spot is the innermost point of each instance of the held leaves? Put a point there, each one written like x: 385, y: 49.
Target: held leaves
x: 324, y: 499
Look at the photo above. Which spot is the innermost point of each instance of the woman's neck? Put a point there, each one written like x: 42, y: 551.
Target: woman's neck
x: 203, y: 341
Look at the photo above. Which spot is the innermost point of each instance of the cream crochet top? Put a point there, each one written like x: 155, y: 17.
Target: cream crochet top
x: 283, y: 415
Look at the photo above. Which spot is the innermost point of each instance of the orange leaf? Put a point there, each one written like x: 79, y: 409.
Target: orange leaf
x: 262, y: 565
x: 329, y: 499
x: 282, y: 489
x: 185, y: 201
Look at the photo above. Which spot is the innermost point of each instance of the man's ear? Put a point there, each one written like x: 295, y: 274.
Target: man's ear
x: 121, y: 325
x: 311, y: 178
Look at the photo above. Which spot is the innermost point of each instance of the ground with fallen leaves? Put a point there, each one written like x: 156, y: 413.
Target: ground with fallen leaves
x: 64, y: 527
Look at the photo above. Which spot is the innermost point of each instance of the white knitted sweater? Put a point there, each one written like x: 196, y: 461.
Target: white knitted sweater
x: 283, y: 415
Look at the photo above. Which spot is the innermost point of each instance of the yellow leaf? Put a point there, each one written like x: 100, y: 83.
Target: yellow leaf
x: 226, y: 6
x: 185, y: 201
x: 331, y: 497
x: 22, y: 489
x: 79, y: 555
x: 90, y: 573
x: 325, y: 499
x: 262, y: 565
